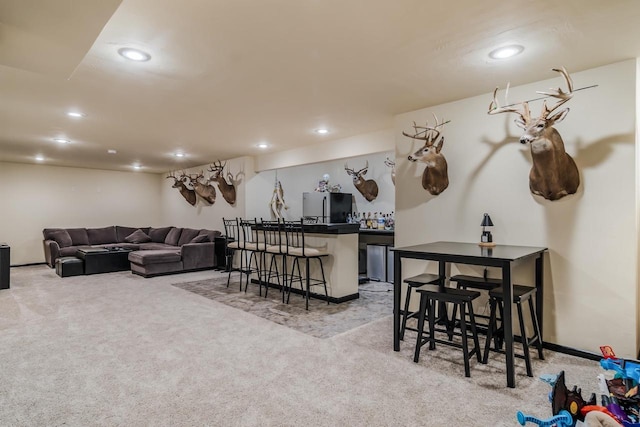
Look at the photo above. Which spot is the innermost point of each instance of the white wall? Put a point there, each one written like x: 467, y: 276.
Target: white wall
x: 299, y: 179
x: 591, y: 271
x: 176, y: 211
x: 39, y: 196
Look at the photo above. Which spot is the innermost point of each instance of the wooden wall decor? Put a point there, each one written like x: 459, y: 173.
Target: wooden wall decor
x: 227, y: 189
x: 179, y: 183
x: 435, y: 178
x: 367, y: 187
x: 277, y: 200
x: 203, y: 189
x: 554, y: 173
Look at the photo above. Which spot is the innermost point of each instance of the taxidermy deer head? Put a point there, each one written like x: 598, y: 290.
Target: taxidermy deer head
x: 390, y: 163
x: 204, y: 190
x: 435, y: 178
x: 179, y: 183
x: 367, y: 187
x: 227, y: 189
x: 553, y: 174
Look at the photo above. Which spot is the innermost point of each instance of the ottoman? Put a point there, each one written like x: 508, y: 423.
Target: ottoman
x: 69, y: 266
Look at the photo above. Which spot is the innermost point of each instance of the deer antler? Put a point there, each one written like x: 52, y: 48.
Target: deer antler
x: 171, y: 175
x: 558, y: 93
x: 348, y: 169
x: 495, y: 108
x: 364, y: 168
x: 431, y: 133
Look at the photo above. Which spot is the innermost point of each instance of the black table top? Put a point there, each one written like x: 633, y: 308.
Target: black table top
x: 472, y: 250
x: 328, y: 228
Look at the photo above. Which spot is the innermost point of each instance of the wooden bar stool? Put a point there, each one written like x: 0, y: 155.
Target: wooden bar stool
x: 430, y: 297
x: 520, y: 295
x: 413, y: 283
x: 476, y: 283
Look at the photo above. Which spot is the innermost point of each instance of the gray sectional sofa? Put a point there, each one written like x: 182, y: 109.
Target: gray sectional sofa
x: 154, y: 250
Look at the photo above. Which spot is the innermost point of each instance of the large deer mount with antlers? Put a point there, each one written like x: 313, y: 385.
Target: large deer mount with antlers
x: 435, y: 178
x: 179, y: 182
x: 367, y: 187
x: 203, y: 189
x: 227, y: 189
x: 554, y: 173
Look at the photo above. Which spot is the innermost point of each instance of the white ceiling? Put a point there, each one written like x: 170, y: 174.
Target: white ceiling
x: 228, y: 74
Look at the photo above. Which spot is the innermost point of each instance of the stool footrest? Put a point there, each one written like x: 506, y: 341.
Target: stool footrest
x: 476, y: 282
x: 449, y: 294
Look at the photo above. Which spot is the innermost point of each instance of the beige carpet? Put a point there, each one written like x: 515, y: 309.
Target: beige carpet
x: 119, y: 350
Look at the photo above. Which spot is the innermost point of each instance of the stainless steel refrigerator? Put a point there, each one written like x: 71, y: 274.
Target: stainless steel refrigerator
x: 328, y: 207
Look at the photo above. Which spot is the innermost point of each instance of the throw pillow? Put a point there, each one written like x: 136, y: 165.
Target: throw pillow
x: 159, y: 234
x: 200, y: 238
x: 62, y: 238
x: 137, y: 236
x: 173, y: 236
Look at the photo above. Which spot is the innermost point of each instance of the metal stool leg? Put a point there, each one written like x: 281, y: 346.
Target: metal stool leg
x: 525, y: 340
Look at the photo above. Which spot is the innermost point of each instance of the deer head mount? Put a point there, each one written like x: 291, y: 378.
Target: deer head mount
x: 554, y: 173
x: 204, y: 190
x: 435, y: 178
x: 227, y: 189
x: 390, y: 163
x: 367, y: 187
x: 179, y: 183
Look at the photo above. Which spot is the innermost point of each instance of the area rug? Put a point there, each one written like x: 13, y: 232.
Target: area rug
x: 322, y: 320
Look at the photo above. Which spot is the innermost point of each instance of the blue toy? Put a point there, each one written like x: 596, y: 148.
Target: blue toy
x: 563, y: 419
x: 628, y: 369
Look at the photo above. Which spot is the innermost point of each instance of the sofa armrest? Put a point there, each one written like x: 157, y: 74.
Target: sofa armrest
x: 51, y: 252
x: 198, y: 255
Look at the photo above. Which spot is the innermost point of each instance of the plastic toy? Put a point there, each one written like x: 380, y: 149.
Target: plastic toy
x: 628, y: 369
x: 569, y: 400
x: 563, y: 419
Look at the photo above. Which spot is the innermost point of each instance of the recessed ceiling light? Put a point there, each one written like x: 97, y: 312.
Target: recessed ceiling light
x: 112, y: 151
x: 322, y: 131
x: 76, y: 114
x: 39, y: 158
x: 179, y: 154
x: 263, y: 145
x: 506, y: 51
x: 134, y: 54
x: 61, y: 140
x: 137, y: 166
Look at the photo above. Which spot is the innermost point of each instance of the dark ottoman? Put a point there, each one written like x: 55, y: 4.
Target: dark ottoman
x: 69, y: 266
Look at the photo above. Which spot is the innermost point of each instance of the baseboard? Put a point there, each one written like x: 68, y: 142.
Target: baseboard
x: 29, y: 264
x: 314, y: 295
x: 571, y: 351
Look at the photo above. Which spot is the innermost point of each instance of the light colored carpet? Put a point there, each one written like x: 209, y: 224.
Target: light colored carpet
x: 322, y: 320
x: 119, y: 350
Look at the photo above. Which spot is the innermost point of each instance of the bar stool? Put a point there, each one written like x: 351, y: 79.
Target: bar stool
x: 251, y: 248
x: 276, y: 248
x: 232, y: 244
x: 414, y: 283
x: 296, y: 248
x: 520, y: 295
x: 430, y: 297
x: 477, y: 283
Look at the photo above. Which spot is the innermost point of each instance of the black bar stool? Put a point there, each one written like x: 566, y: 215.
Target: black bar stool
x: 413, y: 283
x: 430, y: 297
x: 476, y: 283
x: 520, y: 295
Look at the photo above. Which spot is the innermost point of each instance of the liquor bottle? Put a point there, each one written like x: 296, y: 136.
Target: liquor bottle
x: 381, y: 221
x: 368, y: 220
x: 363, y: 221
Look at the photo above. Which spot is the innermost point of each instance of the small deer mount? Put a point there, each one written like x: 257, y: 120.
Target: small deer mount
x: 277, y: 200
x: 227, y: 189
x: 554, y: 173
x: 206, y: 191
x: 435, y: 178
x: 367, y: 187
x: 179, y: 183
x: 392, y: 164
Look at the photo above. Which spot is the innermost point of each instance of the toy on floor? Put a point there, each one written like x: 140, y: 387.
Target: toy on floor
x: 569, y: 400
x: 563, y: 419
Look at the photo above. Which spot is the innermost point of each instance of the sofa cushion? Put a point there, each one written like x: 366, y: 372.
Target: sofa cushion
x: 155, y: 256
x: 153, y: 245
x: 79, y: 236
x: 200, y: 238
x: 46, y: 233
x: 211, y: 234
x: 158, y: 235
x: 122, y: 232
x: 69, y: 251
x: 98, y: 236
x: 186, y: 235
x: 137, y: 236
x: 173, y: 236
x: 132, y: 246
x: 62, y: 238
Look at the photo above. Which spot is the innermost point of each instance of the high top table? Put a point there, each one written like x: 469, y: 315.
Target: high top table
x: 502, y: 256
